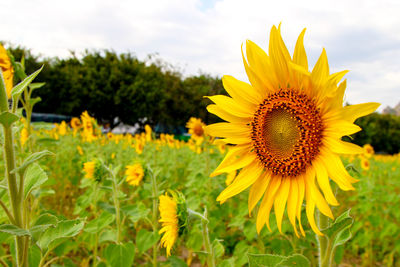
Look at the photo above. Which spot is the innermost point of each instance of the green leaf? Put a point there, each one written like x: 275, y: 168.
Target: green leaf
x: 35, y: 176
x: 55, y: 236
x: 99, y: 223
x: 176, y: 262
x: 339, y: 232
x: 34, y: 86
x: 227, y: 263
x: 136, y: 212
x: 34, y: 256
x: 35, y: 100
x: 19, y: 88
x: 268, y: 260
x: 145, y: 240
x: 218, y: 248
x: 8, y: 118
x: 42, y: 223
x: 32, y: 158
x: 121, y: 255
x: 13, y: 230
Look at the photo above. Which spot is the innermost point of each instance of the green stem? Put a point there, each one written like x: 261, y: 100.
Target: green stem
x: 324, y: 244
x: 14, y: 194
x: 206, y: 240
x: 155, y: 212
x: 117, y: 207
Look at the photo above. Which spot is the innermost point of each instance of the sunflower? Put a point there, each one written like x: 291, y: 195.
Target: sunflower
x: 75, y: 123
x: 368, y: 150
x: 7, y: 70
x: 286, y: 126
x: 170, y: 222
x: 134, y: 174
x: 365, y: 164
x: 196, y: 128
x: 24, y: 136
x: 89, y: 168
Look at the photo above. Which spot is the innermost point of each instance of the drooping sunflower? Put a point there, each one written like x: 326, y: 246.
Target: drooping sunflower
x: 134, y: 174
x: 7, y: 70
x: 286, y: 126
x: 170, y: 222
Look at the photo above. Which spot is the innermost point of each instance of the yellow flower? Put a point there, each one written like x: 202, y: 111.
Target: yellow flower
x: 24, y: 136
x: 7, y: 70
x: 62, y: 128
x: 169, y: 221
x: 89, y: 168
x: 286, y: 127
x: 112, y: 155
x: 75, y: 123
x: 134, y: 174
x: 139, y: 147
x: 196, y: 128
x: 148, y: 131
x: 368, y: 150
x: 365, y: 164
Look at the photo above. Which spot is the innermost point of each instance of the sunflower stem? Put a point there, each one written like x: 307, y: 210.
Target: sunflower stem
x: 325, y: 250
x: 155, y: 211
x: 116, y: 205
x: 14, y: 192
x: 206, y: 240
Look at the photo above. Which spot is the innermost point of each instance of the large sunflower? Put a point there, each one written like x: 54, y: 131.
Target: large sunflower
x: 286, y: 127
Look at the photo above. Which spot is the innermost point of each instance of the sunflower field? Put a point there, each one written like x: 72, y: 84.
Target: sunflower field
x: 274, y: 185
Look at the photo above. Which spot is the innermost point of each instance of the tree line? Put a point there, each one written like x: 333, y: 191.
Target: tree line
x: 118, y: 88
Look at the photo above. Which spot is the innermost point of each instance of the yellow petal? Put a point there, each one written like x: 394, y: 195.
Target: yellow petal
x: 323, y: 182
x: 320, y: 71
x: 255, y: 81
x: 245, y: 178
x: 266, y: 204
x: 231, y: 106
x: 279, y: 57
x: 341, y: 147
x: 214, y: 109
x: 260, y: 63
x: 280, y: 201
x: 241, y: 91
x: 299, y: 55
x: 315, y: 194
x: 351, y: 113
x: 231, y: 157
x: 339, y: 128
x: 236, y: 164
x: 336, y: 171
x: 301, y: 186
x: 292, y: 203
x: 227, y: 129
x: 237, y: 140
x: 310, y: 208
x: 258, y: 189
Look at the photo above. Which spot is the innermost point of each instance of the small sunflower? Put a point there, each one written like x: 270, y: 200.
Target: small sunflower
x: 7, y: 70
x: 365, y: 164
x: 196, y: 128
x: 75, y: 123
x: 368, y: 150
x: 24, y: 136
x: 286, y: 126
x: 170, y: 222
x: 134, y: 174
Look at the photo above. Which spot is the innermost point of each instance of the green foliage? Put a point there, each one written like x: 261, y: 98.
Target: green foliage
x: 382, y: 131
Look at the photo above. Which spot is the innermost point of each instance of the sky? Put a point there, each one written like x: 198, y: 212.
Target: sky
x: 205, y: 36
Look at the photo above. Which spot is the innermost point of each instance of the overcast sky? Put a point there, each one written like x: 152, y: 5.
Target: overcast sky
x: 362, y: 36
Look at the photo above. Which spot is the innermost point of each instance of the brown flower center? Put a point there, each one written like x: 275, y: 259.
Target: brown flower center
x: 286, y: 132
x: 198, y: 130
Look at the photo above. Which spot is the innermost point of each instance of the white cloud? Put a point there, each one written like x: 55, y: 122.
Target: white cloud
x: 360, y: 35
